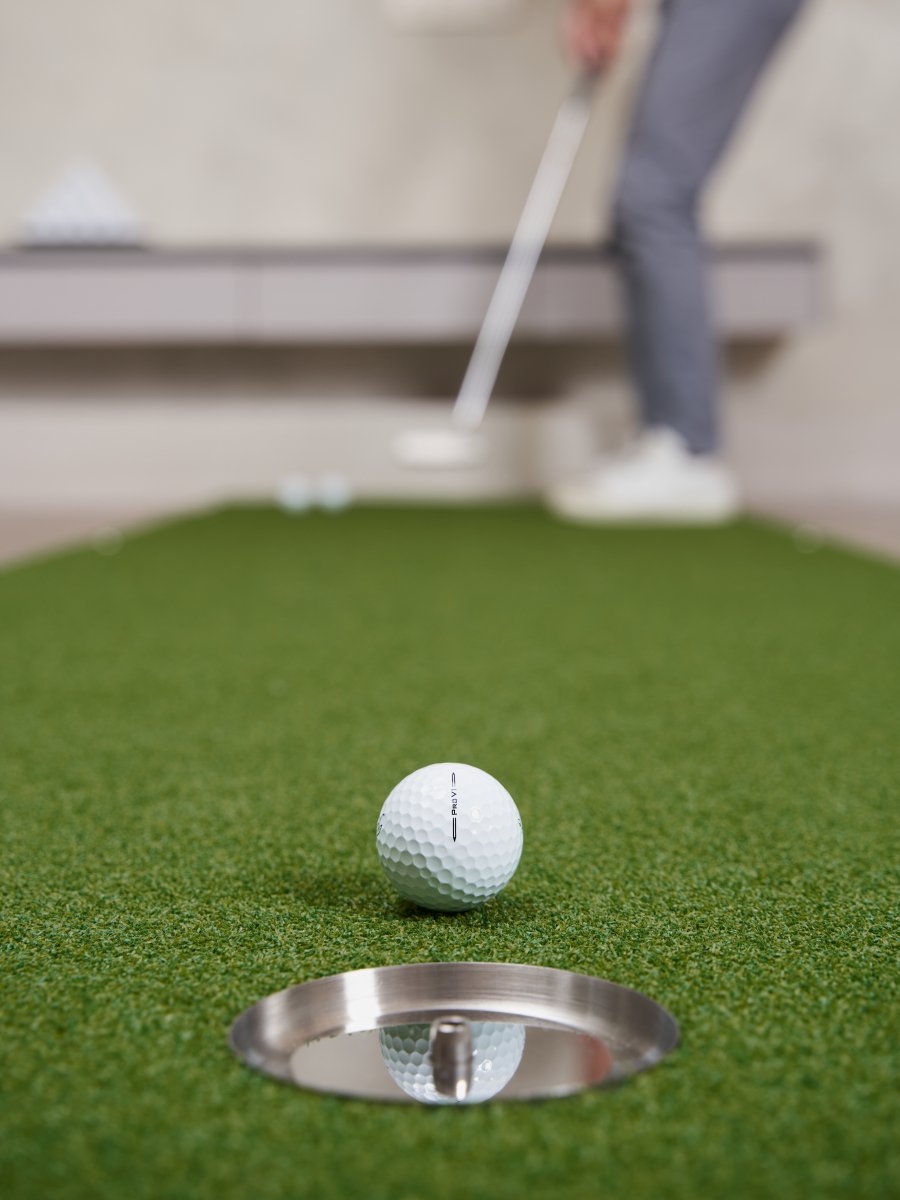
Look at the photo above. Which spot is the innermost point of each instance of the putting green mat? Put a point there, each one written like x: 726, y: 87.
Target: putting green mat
x: 700, y: 729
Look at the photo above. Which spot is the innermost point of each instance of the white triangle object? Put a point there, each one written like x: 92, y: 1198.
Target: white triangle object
x: 81, y: 208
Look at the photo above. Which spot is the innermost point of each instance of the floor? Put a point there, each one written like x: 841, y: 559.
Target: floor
x: 873, y: 528
x: 27, y: 533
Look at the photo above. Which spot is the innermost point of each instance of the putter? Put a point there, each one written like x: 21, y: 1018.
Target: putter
x: 460, y: 444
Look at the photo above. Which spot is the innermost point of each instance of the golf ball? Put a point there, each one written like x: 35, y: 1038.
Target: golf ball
x: 294, y: 494
x: 449, y: 837
x: 497, y: 1051
x: 333, y: 492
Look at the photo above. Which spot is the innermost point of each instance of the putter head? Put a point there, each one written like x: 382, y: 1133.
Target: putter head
x: 439, y: 449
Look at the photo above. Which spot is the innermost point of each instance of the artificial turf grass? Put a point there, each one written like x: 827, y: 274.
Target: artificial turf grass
x: 699, y: 729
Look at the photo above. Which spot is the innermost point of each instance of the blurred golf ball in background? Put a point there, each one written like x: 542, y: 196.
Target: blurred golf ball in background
x: 294, y: 494
x: 333, y: 492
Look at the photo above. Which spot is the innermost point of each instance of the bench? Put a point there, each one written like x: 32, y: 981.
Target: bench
x: 245, y: 296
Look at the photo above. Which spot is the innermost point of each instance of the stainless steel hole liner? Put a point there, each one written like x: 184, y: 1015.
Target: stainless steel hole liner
x: 454, y: 1033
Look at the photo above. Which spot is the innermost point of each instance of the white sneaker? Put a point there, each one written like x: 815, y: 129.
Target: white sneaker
x: 657, y: 480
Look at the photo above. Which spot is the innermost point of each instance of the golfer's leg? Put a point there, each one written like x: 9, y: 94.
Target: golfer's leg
x: 707, y: 59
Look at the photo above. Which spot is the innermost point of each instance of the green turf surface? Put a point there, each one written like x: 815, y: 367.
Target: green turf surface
x: 701, y: 731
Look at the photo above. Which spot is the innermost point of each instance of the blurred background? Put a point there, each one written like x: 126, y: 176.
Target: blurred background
x: 244, y: 244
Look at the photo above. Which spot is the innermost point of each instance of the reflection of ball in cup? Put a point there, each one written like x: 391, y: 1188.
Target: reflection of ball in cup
x: 497, y: 1046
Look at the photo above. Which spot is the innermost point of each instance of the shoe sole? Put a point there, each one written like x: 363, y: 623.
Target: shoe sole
x: 675, y: 516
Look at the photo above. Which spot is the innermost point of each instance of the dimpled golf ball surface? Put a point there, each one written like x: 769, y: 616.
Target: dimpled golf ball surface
x: 497, y: 1048
x: 449, y: 837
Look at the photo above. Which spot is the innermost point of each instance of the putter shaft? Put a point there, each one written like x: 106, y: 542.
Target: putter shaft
x: 523, y: 255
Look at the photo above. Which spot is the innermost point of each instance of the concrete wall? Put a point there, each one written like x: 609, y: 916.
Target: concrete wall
x: 317, y: 122
x: 821, y: 152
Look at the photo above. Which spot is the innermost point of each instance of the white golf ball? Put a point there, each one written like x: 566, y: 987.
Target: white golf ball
x: 497, y: 1048
x: 449, y: 837
x: 334, y: 492
x: 294, y: 494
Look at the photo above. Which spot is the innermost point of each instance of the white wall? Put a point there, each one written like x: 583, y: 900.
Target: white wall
x: 821, y: 153
x: 284, y: 121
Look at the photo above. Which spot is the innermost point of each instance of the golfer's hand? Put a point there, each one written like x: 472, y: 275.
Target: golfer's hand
x: 593, y: 30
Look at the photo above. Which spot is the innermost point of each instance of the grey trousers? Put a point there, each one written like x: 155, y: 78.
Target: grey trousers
x: 708, y: 56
